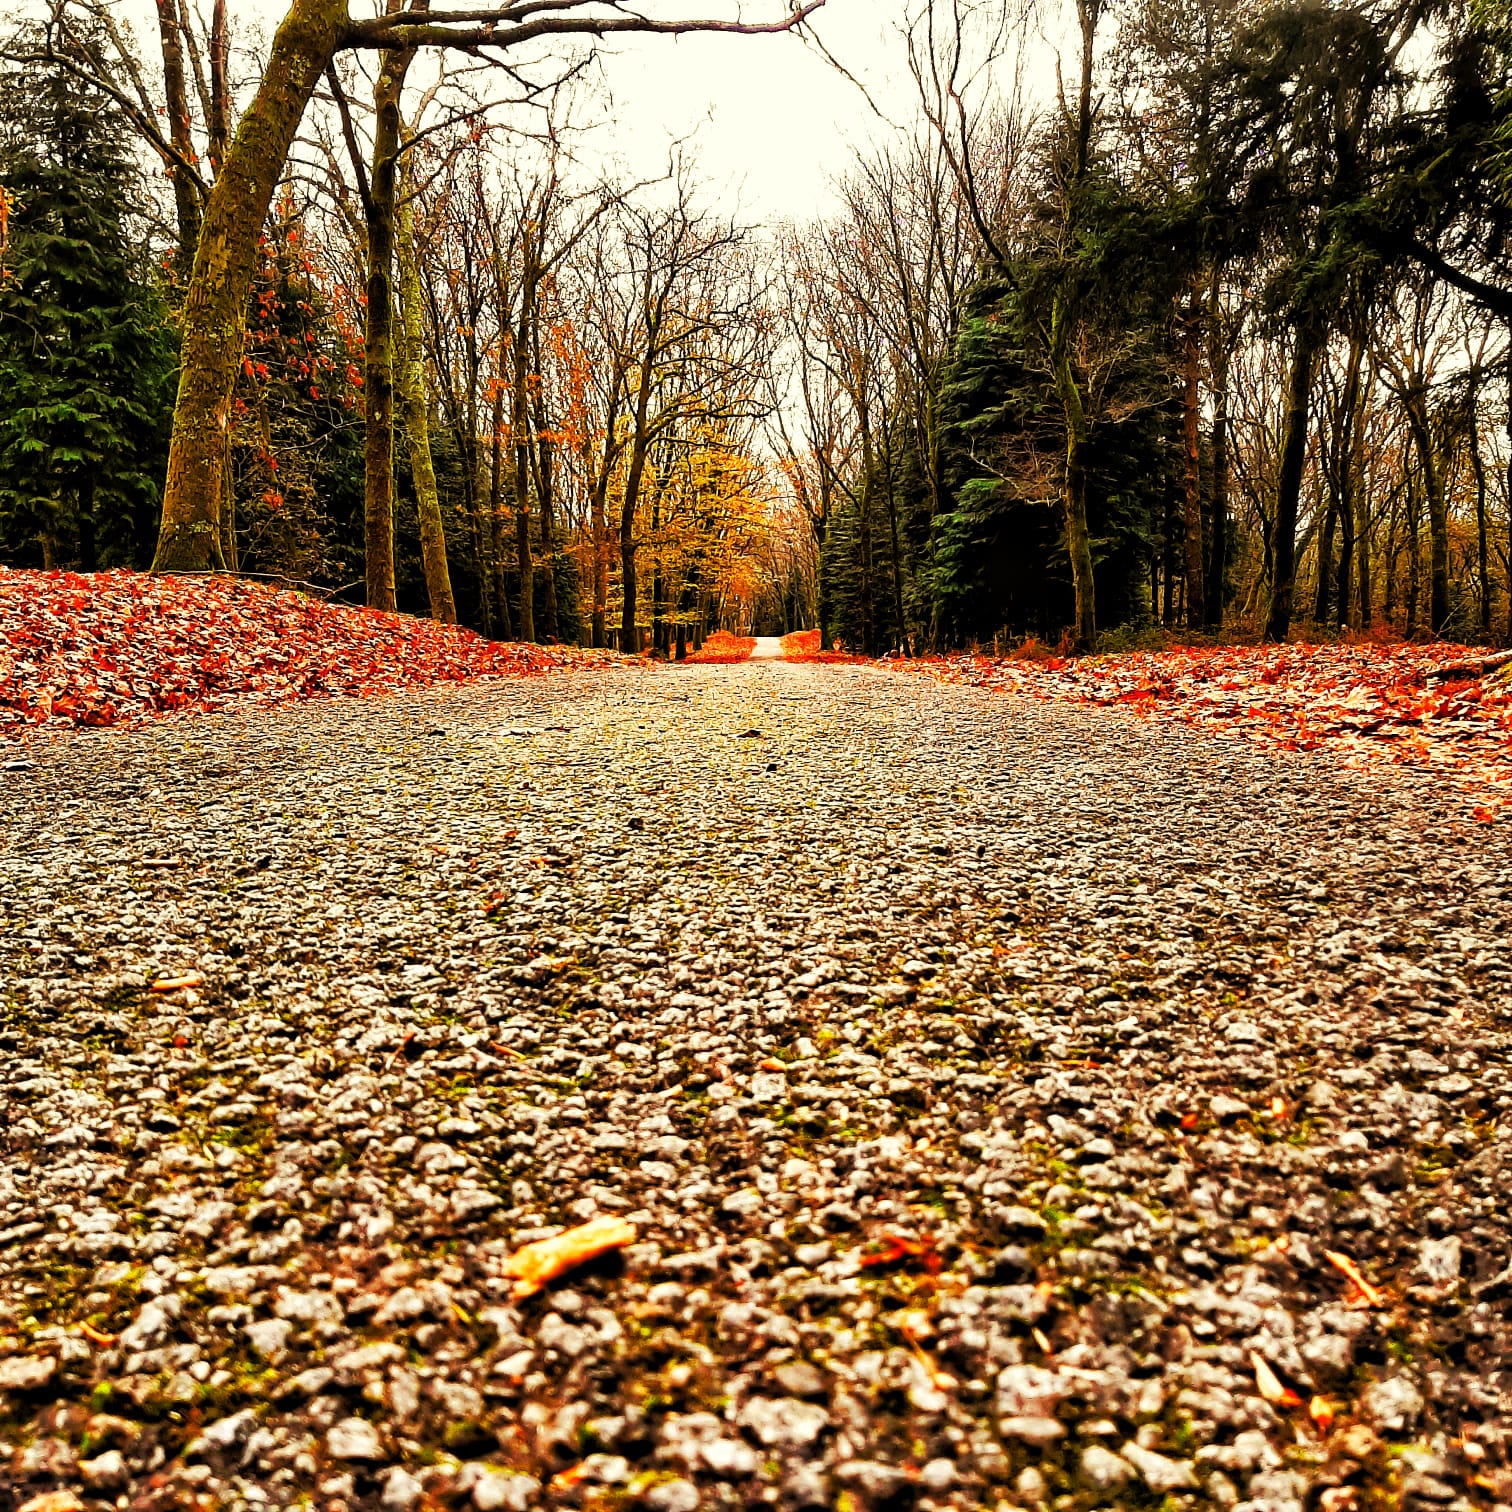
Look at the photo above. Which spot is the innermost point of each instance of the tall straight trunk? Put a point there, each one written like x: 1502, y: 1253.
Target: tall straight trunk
x: 658, y: 589
x: 214, y: 315
x: 1414, y: 559
x: 1074, y: 487
x: 472, y: 513
x: 1346, y: 449
x: 414, y: 412
x: 378, y: 343
x: 496, y: 511
x: 1393, y: 551
x: 599, y: 526
x: 821, y: 547
x: 1191, y: 498
x: 1323, y: 597
x: 1482, y: 533
x: 88, y: 540
x: 1363, y: 587
x: 544, y: 462
x: 229, y: 549
x: 864, y: 552
x: 897, y: 553
x: 634, y: 476
x: 1343, y: 608
x: 1289, y: 489
x: 519, y: 419
x: 1438, y: 512
x: 1218, y: 551
x: 186, y: 202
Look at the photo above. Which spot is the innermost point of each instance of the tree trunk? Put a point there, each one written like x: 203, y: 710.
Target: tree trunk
x: 378, y: 345
x: 1074, y: 485
x: 1482, y: 533
x: 1416, y: 404
x: 214, y: 316
x: 496, y: 511
x: 519, y: 419
x: 186, y: 204
x: 415, y: 415
x: 545, y: 461
x: 1414, y: 560
x: 635, y: 474
x: 1323, y: 597
x: 1218, y: 551
x: 1289, y: 489
x: 897, y: 553
x: 1192, y: 493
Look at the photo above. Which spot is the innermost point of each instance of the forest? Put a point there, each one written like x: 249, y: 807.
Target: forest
x: 1197, y: 323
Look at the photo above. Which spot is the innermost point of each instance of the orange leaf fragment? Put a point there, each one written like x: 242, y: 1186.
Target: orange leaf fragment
x: 537, y: 1264
x: 1483, y: 815
x: 1321, y: 1411
x: 95, y: 1336
x: 898, y: 1247
x: 177, y: 984
x: 1270, y: 1387
x: 1365, y: 1294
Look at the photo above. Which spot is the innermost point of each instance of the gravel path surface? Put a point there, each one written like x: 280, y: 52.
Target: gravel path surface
x: 767, y: 648
x: 988, y: 1083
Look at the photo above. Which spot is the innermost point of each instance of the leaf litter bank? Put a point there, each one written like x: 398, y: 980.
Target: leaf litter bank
x: 1367, y: 704
x: 119, y: 647
x: 989, y: 1090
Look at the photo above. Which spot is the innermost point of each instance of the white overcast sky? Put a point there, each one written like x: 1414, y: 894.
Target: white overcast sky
x: 771, y: 122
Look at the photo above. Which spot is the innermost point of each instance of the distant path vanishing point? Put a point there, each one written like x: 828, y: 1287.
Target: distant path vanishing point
x: 767, y: 648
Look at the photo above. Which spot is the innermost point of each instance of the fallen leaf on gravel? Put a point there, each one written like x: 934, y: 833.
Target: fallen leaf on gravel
x: 1321, y: 1411
x: 1365, y: 1294
x: 537, y: 1264
x: 95, y: 1336
x: 1270, y: 1387
x: 896, y: 1247
x: 177, y: 984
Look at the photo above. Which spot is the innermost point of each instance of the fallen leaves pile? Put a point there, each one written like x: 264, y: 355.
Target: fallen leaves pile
x: 1424, y: 705
x: 119, y: 647
x: 803, y: 646
x: 722, y: 649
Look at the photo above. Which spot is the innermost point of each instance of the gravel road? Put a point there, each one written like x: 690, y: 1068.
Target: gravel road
x: 988, y: 1083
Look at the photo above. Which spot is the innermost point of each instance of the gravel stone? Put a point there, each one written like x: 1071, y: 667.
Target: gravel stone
x: 1106, y: 1029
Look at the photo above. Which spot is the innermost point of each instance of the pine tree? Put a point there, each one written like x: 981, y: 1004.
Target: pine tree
x: 86, y: 348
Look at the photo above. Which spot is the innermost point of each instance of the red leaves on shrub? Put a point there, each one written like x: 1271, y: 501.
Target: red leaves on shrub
x: 119, y: 647
x: 1370, y: 703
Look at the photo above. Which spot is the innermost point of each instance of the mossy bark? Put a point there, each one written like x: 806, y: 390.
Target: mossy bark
x: 214, y: 316
x: 415, y: 416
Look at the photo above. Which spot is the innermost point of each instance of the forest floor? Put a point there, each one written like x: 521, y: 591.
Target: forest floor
x: 1016, y: 1101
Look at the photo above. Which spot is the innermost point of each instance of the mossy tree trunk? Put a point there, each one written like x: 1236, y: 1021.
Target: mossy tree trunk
x: 415, y: 415
x: 214, y: 315
x: 378, y: 346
